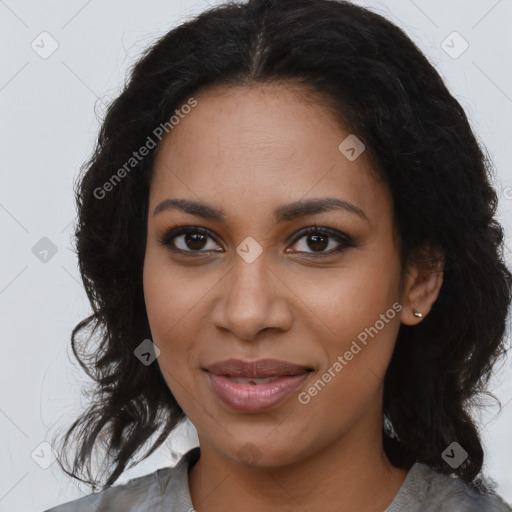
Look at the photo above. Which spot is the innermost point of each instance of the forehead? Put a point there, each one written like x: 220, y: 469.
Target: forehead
x: 261, y: 146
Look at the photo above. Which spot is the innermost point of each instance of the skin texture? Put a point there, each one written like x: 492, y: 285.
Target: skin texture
x: 249, y: 150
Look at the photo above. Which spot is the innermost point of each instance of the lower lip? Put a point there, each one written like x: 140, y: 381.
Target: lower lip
x: 255, y: 397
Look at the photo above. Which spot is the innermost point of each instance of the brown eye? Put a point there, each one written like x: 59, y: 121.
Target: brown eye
x: 317, y: 243
x: 317, y: 240
x: 196, y: 241
x: 187, y: 239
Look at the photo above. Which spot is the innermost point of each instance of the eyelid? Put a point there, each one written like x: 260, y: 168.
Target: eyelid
x: 331, y: 232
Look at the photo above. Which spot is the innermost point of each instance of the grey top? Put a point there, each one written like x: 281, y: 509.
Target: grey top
x: 166, y: 490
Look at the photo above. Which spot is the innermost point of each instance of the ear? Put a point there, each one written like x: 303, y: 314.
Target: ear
x: 422, y: 283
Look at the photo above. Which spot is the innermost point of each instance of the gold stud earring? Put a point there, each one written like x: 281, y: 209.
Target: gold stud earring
x: 418, y: 314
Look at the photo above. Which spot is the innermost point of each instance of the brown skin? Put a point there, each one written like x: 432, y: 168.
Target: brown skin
x: 247, y: 151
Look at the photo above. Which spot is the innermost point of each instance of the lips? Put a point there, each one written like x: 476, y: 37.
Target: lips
x: 260, y: 369
x: 253, y: 387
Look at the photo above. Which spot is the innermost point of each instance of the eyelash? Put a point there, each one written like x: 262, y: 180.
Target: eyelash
x: 344, y: 240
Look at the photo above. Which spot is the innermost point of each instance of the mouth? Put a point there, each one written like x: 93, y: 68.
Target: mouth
x: 255, y: 386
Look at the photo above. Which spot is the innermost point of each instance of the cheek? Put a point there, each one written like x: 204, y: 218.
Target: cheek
x: 167, y: 305
x: 170, y: 294
x: 352, y: 380
x: 352, y: 298
x: 174, y: 300
x: 357, y: 307
x: 170, y: 329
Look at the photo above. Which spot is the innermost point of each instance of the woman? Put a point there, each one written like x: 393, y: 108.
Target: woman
x: 287, y: 235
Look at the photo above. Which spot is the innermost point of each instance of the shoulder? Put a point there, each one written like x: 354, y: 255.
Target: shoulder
x: 164, y: 490
x: 443, y: 493
x: 140, y: 493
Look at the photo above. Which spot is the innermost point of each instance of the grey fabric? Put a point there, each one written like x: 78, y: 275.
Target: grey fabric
x: 166, y: 490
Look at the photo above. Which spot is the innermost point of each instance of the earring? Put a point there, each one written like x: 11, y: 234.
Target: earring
x: 418, y: 314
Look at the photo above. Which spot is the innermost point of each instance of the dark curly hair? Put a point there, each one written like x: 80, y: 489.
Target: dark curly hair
x: 382, y: 88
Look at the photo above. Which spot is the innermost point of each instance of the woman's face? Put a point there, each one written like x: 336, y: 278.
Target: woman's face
x: 253, y: 286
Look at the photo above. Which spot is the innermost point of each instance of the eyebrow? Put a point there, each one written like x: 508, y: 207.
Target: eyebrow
x: 284, y: 213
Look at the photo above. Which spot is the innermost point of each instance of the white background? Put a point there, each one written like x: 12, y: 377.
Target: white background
x: 47, y: 128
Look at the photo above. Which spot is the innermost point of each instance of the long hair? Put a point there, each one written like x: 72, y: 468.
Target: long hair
x: 383, y: 89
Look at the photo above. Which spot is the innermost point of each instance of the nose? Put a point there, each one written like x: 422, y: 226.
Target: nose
x: 252, y: 298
